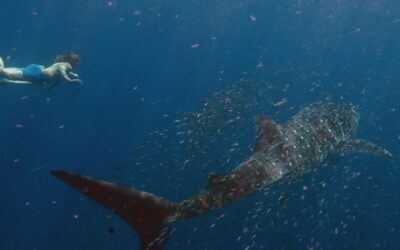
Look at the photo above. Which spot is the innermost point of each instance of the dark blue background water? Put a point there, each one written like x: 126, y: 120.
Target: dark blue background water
x: 343, y: 51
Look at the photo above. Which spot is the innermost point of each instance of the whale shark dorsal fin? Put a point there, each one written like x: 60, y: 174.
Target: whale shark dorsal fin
x: 267, y: 132
x: 363, y: 146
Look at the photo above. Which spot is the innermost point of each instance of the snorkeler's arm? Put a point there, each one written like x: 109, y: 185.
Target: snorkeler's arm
x: 72, y: 74
x: 8, y: 81
x: 75, y: 77
x: 66, y: 77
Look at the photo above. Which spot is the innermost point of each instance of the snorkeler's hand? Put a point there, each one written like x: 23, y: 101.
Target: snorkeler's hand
x: 76, y: 81
x: 73, y: 74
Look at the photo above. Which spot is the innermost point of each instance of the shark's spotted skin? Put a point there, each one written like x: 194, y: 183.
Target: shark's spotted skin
x: 306, y: 140
x: 318, y: 131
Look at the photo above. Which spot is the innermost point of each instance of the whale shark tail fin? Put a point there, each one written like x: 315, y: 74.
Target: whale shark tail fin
x: 145, y: 212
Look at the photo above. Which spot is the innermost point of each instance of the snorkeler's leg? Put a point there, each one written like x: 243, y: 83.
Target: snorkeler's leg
x: 16, y: 82
x: 1, y: 62
x: 3, y: 73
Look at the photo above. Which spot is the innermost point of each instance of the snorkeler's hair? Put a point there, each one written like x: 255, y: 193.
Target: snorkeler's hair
x: 70, y: 57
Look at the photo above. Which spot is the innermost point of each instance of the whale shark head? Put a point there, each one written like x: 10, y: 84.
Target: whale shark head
x: 346, y: 118
x: 342, y: 120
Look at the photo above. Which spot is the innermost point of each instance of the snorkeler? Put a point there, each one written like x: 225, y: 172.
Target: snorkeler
x: 60, y: 71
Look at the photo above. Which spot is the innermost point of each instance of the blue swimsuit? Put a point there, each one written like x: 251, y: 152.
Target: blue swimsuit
x: 32, y: 72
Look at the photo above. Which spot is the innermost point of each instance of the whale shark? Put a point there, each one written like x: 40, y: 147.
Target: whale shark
x: 315, y: 133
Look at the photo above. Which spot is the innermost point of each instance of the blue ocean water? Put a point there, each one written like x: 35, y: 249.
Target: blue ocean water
x: 144, y: 61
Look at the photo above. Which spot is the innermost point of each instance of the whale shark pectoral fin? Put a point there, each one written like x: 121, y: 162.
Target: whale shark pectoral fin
x: 267, y: 132
x: 363, y: 146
